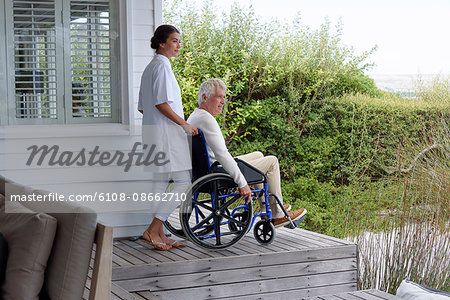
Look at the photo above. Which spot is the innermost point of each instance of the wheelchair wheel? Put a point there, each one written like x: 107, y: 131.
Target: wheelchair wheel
x: 215, y: 216
x: 173, y: 229
x: 264, y: 232
x: 177, y: 230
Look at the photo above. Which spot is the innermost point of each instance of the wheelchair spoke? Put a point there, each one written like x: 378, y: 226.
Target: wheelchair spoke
x: 197, y: 226
x: 201, y: 204
x: 201, y: 214
x: 239, y: 223
x: 217, y: 230
x: 229, y: 202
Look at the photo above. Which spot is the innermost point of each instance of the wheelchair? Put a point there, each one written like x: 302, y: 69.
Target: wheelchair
x: 214, y: 215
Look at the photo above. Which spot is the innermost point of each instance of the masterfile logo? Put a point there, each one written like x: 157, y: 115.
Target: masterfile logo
x: 53, y: 156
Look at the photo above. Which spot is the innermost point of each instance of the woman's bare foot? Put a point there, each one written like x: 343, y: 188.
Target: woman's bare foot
x: 152, y: 237
x: 174, y: 244
x: 155, y: 241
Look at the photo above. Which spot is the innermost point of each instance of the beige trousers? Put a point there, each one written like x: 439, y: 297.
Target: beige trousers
x: 268, y: 165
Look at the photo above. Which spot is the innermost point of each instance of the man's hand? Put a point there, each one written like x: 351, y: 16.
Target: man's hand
x: 246, y: 192
x: 190, y: 129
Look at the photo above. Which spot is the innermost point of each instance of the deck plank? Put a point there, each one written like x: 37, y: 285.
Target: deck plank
x: 296, y: 294
x: 295, y: 242
x: 381, y: 294
x: 150, y: 250
x: 136, y: 253
x: 366, y: 296
x: 244, y: 246
x: 249, y: 288
x: 328, y: 297
x: 225, y: 275
x: 120, y: 261
x: 139, y: 296
x: 253, y: 246
x: 348, y: 296
x: 203, y: 253
x: 310, y: 241
x: 358, y: 295
x: 318, y: 236
x: 117, y: 250
x: 120, y: 293
x: 146, y: 295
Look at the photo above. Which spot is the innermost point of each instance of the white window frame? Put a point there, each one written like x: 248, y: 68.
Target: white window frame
x: 3, y: 72
x: 63, y: 61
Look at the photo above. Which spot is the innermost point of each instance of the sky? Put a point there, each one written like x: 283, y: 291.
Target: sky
x: 412, y: 36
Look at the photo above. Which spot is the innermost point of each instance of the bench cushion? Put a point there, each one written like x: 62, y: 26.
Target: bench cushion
x: 69, y: 260
x: 414, y: 291
x: 3, y: 258
x: 30, y: 239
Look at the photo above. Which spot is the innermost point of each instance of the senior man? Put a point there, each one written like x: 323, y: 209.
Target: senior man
x: 211, y: 101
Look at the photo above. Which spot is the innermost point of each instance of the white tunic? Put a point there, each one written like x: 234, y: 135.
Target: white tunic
x: 158, y: 85
x: 215, y: 143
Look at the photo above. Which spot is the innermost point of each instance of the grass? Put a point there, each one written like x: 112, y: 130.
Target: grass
x: 434, y: 94
x: 409, y: 234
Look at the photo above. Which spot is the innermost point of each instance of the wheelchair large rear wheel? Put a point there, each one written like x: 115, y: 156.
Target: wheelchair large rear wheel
x: 172, y: 224
x: 215, y: 216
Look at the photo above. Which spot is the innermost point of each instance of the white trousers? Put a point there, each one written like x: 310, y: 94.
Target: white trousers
x: 159, y: 185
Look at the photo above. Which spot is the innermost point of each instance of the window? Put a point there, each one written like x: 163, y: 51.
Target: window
x: 64, y: 61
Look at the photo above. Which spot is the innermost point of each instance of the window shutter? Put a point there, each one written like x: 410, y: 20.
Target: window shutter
x: 63, y: 57
x: 35, y: 59
x: 91, y: 55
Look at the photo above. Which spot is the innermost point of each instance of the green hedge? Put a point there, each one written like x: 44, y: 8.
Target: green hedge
x: 347, y: 141
x: 342, y: 139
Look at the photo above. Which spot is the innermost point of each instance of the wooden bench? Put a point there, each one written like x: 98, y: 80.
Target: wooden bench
x: 98, y: 283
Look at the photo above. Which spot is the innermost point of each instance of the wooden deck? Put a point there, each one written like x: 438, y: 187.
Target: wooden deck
x: 298, y: 264
x: 366, y: 294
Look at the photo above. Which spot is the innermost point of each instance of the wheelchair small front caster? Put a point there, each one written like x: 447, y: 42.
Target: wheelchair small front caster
x: 264, y: 232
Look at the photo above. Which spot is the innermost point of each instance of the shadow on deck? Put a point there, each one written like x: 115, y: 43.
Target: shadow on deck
x: 298, y: 264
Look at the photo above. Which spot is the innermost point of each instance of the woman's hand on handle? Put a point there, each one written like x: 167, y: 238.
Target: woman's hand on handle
x: 166, y: 110
x: 190, y: 129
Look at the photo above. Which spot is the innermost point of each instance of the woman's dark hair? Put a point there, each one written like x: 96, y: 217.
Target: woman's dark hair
x: 161, y: 35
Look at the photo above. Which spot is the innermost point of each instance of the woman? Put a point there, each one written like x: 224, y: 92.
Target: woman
x: 164, y: 127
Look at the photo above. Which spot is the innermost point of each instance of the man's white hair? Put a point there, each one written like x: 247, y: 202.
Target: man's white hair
x: 209, y: 87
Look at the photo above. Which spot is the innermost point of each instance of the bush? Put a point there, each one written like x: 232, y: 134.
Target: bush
x: 260, y: 60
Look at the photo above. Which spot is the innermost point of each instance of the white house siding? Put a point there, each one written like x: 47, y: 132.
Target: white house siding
x: 147, y: 15
x: 138, y: 20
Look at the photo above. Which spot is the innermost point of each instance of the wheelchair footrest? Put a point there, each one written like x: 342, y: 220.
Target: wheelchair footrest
x: 296, y: 222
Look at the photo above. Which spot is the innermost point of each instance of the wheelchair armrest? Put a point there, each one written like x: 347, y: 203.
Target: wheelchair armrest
x: 251, y: 174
